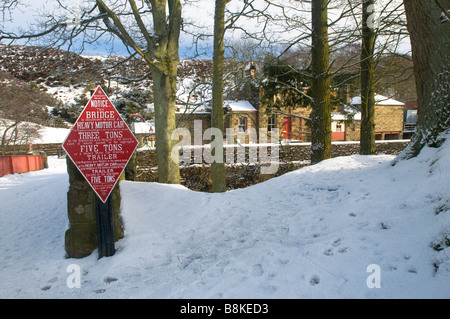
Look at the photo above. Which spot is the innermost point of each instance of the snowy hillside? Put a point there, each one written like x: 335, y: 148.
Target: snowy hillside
x: 313, y: 233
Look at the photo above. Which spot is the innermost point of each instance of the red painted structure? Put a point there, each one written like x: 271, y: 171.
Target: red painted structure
x: 287, y: 128
x: 20, y: 164
x: 338, y: 136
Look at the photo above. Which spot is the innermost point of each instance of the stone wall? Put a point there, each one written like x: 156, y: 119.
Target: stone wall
x: 289, y: 153
x: 388, y: 118
x: 197, y: 176
x: 192, y: 123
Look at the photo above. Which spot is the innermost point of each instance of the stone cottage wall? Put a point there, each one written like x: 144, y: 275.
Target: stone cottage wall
x: 388, y: 118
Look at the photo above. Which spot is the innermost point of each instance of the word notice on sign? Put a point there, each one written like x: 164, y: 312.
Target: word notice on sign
x: 100, y: 144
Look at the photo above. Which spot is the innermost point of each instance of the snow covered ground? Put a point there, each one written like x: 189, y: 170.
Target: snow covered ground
x: 313, y: 233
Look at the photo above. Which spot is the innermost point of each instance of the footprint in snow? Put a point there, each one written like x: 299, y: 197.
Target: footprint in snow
x: 412, y: 270
x: 110, y: 279
x: 336, y: 242
x: 314, y: 280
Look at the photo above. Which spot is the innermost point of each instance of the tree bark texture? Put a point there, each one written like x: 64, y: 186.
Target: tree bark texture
x: 218, y: 173
x: 321, y: 106
x: 367, y: 80
x: 164, y: 88
x: 430, y: 43
x: 164, y: 71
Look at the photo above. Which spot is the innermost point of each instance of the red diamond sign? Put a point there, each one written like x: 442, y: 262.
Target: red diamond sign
x: 100, y: 144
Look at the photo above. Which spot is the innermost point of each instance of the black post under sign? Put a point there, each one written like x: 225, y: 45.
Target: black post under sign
x: 105, y: 227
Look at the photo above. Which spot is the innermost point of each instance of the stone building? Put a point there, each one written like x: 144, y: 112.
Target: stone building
x: 244, y: 110
x: 240, y: 116
x: 293, y: 123
x: 389, y: 115
x: 345, y: 126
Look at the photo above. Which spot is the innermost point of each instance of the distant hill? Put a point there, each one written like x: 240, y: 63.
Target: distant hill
x: 46, y: 65
x: 69, y: 77
x: 24, y: 100
x: 52, y: 67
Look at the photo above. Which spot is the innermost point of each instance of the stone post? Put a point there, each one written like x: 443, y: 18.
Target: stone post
x: 130, y: 169
x: 81, y: 237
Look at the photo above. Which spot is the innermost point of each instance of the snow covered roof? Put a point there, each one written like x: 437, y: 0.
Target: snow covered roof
x: 379, y: 100
x: 197, y: 109
x: 240, y: 106
x: 343, y: 117
x: 348, y: 110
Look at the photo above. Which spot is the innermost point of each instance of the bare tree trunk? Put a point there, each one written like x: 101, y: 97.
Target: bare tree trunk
x: 218, y: 173
x: 321, y: 108
x: 367, y: 80
x: 430, y: 43
x: 164, y: 88
x: 164, y: 73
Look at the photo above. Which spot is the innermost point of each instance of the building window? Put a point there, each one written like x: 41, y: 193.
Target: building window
x: 338, y: 127
x: 242, y: 124
x: 271, y: 124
